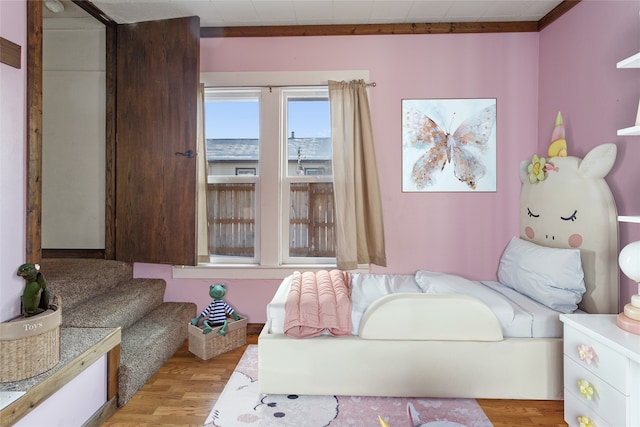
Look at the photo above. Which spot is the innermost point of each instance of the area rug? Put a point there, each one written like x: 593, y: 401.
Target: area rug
x: 241, y: 405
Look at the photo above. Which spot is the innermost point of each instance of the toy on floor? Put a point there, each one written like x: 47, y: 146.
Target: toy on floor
x: 414, y: 419
x: 35, y: 298
x: 216, y: 313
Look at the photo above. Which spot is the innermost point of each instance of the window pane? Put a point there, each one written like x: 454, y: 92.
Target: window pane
x: 232, y: 224
x: 309, y: 137
x: 232, y: 120
x: 231, y: 130
x: 311, y: 220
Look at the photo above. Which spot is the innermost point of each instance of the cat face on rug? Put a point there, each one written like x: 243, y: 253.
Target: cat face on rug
x: 272, y: 410
x: 295, y: 410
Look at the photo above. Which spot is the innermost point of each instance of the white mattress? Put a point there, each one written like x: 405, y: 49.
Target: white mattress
x: 519, y: 316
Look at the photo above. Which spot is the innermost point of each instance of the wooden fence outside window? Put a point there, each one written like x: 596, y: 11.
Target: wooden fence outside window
x: 232, y: 222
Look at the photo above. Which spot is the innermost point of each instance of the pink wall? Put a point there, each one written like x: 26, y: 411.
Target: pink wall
x: 12, y: 161
x: 421, y: 228
x: 568, y: 67
x: 578, y: 76
x: 462, y: 233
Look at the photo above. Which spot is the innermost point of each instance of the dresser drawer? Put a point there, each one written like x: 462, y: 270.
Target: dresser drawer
x: 574, y: 408
x: 605, y: 363
x: 607, y: 402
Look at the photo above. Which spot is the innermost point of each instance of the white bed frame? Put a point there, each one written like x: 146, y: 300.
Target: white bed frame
x: 454, y: 353
x: 449, y: 345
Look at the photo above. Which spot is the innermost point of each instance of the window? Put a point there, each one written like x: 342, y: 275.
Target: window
x: 270, y: 179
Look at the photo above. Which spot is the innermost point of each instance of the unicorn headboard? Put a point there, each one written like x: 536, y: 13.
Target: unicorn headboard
x: 566, y: 203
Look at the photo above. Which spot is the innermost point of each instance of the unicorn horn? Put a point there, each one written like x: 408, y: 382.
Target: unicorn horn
x: 558, y: 147
x: 383, y: 423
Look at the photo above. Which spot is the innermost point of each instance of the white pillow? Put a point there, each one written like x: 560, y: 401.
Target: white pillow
x: 441, y: 283
x: 551, y: 276
x: 368, y: 287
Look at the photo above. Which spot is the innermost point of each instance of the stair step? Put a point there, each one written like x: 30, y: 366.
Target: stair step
x: 76, y: 280
x: 102, y: 293
x: 121, y: 306
x: 149, y: 343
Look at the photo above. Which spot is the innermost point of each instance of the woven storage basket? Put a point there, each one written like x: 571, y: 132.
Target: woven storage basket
x: 206, y: 346
x: 29, y: 345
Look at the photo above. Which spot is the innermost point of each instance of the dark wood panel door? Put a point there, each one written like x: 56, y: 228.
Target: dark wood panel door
x: 156, y: 122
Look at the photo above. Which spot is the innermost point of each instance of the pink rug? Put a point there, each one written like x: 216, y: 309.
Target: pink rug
x: 241, y: 405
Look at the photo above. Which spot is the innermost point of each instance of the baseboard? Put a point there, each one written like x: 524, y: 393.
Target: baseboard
x: 102, y: 414
x: 73, y: 253
x: 254, y: 328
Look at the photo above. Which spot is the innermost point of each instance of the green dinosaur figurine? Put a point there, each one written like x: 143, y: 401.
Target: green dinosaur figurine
x: 36, y: 295
x: 216, y: 313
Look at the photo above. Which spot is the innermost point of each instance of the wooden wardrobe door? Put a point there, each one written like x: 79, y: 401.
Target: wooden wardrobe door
x: 156, y: 114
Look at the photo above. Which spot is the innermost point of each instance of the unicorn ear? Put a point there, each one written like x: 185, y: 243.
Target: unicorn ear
x: 524, y: 173
x: 599, y: 161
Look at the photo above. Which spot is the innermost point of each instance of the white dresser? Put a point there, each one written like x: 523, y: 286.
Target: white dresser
x: 601, y: 372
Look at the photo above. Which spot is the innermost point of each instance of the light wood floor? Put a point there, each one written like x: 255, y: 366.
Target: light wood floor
x: 183, y: 391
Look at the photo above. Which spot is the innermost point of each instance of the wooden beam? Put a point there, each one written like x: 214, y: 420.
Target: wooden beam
x: 113, y: 366
x: 10, y: 53
x: 95, y: 11
x: 391, y: 29
x: 556, y: 13
x: 73, y: 253
x: 110, y: 144
x: 63, y: 374
x: 34, y: 132
x: 370, y: 29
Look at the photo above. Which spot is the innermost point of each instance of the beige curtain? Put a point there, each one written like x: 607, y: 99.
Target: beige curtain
x: 201, y: 197
x: 359, y: 222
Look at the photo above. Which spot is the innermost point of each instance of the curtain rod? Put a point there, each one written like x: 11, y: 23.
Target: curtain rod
x: 372, y: 84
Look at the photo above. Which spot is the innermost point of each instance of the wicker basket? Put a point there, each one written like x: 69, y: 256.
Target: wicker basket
x: 29, y: 345
x: 206, y: 346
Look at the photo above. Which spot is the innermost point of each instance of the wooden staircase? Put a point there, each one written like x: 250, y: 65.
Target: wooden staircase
x: 97, y: 293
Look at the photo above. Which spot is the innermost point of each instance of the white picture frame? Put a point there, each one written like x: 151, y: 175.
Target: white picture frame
x: 449, y: 145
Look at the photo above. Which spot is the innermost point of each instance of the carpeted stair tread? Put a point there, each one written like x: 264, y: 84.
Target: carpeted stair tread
x: 149, y: 343
x: 78, y: 280
x: 121, y: 306
x: 103, y: 293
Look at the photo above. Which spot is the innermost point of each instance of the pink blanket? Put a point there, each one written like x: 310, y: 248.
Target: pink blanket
x: 317, y: 302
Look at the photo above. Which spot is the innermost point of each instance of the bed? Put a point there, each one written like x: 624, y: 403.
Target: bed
x: 433, y: 334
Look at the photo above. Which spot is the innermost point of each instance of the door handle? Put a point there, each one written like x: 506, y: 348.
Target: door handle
x: 188, y: 154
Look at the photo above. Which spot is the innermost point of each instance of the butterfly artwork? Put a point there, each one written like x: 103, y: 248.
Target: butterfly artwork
x: 434, y: 159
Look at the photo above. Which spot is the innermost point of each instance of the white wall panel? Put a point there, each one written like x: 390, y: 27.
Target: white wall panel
x: 73, y: 139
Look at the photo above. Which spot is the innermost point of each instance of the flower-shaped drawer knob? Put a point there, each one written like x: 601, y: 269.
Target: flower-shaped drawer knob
x: 584, y: 421
x: 586, y: 354
x: 586, y: 389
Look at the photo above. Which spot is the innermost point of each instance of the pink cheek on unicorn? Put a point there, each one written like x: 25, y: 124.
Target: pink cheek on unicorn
x: 529, y: 232
x: 575, y: 240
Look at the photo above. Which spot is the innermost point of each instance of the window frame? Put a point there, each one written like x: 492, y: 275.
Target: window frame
x: 298, y: 92
x: 272, y: 269
x: 255, y: 179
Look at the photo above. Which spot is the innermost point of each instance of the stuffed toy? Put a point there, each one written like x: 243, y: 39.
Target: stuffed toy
x: 36, y: 295
x: 216, y: 313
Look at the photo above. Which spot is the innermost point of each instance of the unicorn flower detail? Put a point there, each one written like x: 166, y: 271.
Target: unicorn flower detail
x: 536, y: 169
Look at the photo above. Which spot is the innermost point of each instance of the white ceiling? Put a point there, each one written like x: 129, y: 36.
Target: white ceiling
x: 232, y: 13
